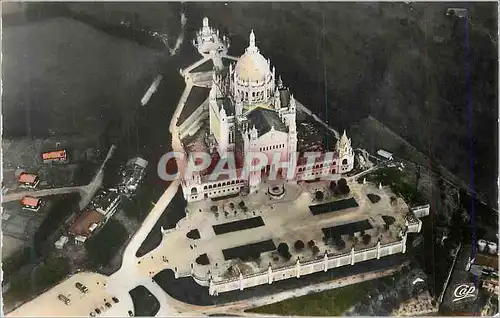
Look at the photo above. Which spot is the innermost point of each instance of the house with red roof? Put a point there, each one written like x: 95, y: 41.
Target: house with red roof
x: 28, y: 180
x: 31, y: 203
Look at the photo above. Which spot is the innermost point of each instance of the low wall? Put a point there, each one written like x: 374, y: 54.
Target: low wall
x: 300, y: 269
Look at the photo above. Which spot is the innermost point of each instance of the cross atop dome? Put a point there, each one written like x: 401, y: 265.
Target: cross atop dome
x: 252, y: 48
x: 205, y: 22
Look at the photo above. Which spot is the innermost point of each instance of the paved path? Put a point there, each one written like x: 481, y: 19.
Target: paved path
x: 42, y: 193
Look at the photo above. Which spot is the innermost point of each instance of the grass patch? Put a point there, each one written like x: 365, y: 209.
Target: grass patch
x: 145, y: 303
x: 328, y: 303
x: 26, y: 284
x: 395, y: 179
x: 103, y: 246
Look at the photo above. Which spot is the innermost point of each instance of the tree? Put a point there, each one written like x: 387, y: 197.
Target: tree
x: 315, y: 250
x: 333, y: 185
x: 283, y: 250
x: 342, y: 182
x: 214, y: 208
x: 319, y: 195
x: 342, y: 186
x: 311, y: 243
x: 299, y: 245
x: 242, y: 204
x: 231, y: 205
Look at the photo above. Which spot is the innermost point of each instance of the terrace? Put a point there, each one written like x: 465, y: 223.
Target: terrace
x: 242, y: 237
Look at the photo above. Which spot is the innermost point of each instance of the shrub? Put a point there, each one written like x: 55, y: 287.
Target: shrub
x: 340, y: 244
x: 315, y: 250
x: 311, y: 243
x: 242, y: 204
x: 299, y: 245
x: 214, y: 208
x: 231, y: 205
x: 333, y: 185
x: 319, y: 195
x: 366, y: 239
x: 342, y: 186
x: 283, y: 250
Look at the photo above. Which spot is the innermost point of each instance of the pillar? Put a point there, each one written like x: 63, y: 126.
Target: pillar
x: 176, y: 273
x: 325, y: 262
x: 241, y: 281
x: 269, y: 274
x: 297, y: 267
x: 404, y: 242
x: 378, y: 249
x: 211, y: 289
x: 380, y: 185
x: 352, y: 255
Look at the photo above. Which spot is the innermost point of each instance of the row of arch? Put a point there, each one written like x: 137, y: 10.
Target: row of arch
x: 221, y: 184
x: 280, y: 146
x: 318, y: 166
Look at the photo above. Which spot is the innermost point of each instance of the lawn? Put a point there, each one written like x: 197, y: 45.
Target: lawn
x: 26, y: 284
x: 114, y: 235
x: 328, y: 303
x: 395, y: 178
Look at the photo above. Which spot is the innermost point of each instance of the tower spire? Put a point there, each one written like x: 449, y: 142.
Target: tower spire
x: 252, y: 39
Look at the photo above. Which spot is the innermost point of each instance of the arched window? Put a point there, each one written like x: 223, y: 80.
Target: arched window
x: 344, y: 162
x: 194, y: 191
x: 205, y: 187
x: 210, y: 186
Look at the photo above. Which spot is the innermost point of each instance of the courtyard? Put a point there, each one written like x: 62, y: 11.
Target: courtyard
x: 243, y: 234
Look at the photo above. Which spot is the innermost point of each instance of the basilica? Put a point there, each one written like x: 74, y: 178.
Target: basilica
x: 251, y: 110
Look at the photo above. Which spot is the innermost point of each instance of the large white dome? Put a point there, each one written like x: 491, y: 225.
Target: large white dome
x: 252, y: 66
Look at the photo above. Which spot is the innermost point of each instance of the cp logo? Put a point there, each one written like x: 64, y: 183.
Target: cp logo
x: 464, y: 291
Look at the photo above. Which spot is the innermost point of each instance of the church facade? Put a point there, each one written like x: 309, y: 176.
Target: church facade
x: 250, y: 110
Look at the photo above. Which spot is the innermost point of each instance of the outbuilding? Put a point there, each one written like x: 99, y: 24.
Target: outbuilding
x: 384, y: 154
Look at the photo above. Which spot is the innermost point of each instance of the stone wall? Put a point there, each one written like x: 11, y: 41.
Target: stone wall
x: 300, y: 269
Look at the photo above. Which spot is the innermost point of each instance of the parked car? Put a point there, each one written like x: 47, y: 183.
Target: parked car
x: 64, y: 299
x: 81, y: 287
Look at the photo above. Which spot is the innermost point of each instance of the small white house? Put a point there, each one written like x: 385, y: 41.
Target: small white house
x: 59, y: 244
x: 384, y: 154
x: 80, y: 239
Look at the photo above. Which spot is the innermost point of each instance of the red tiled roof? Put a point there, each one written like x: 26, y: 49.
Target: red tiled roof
x: 30, y: 201
x: 59, y: 154
x: 27, y: 178
x: 82, y: 223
